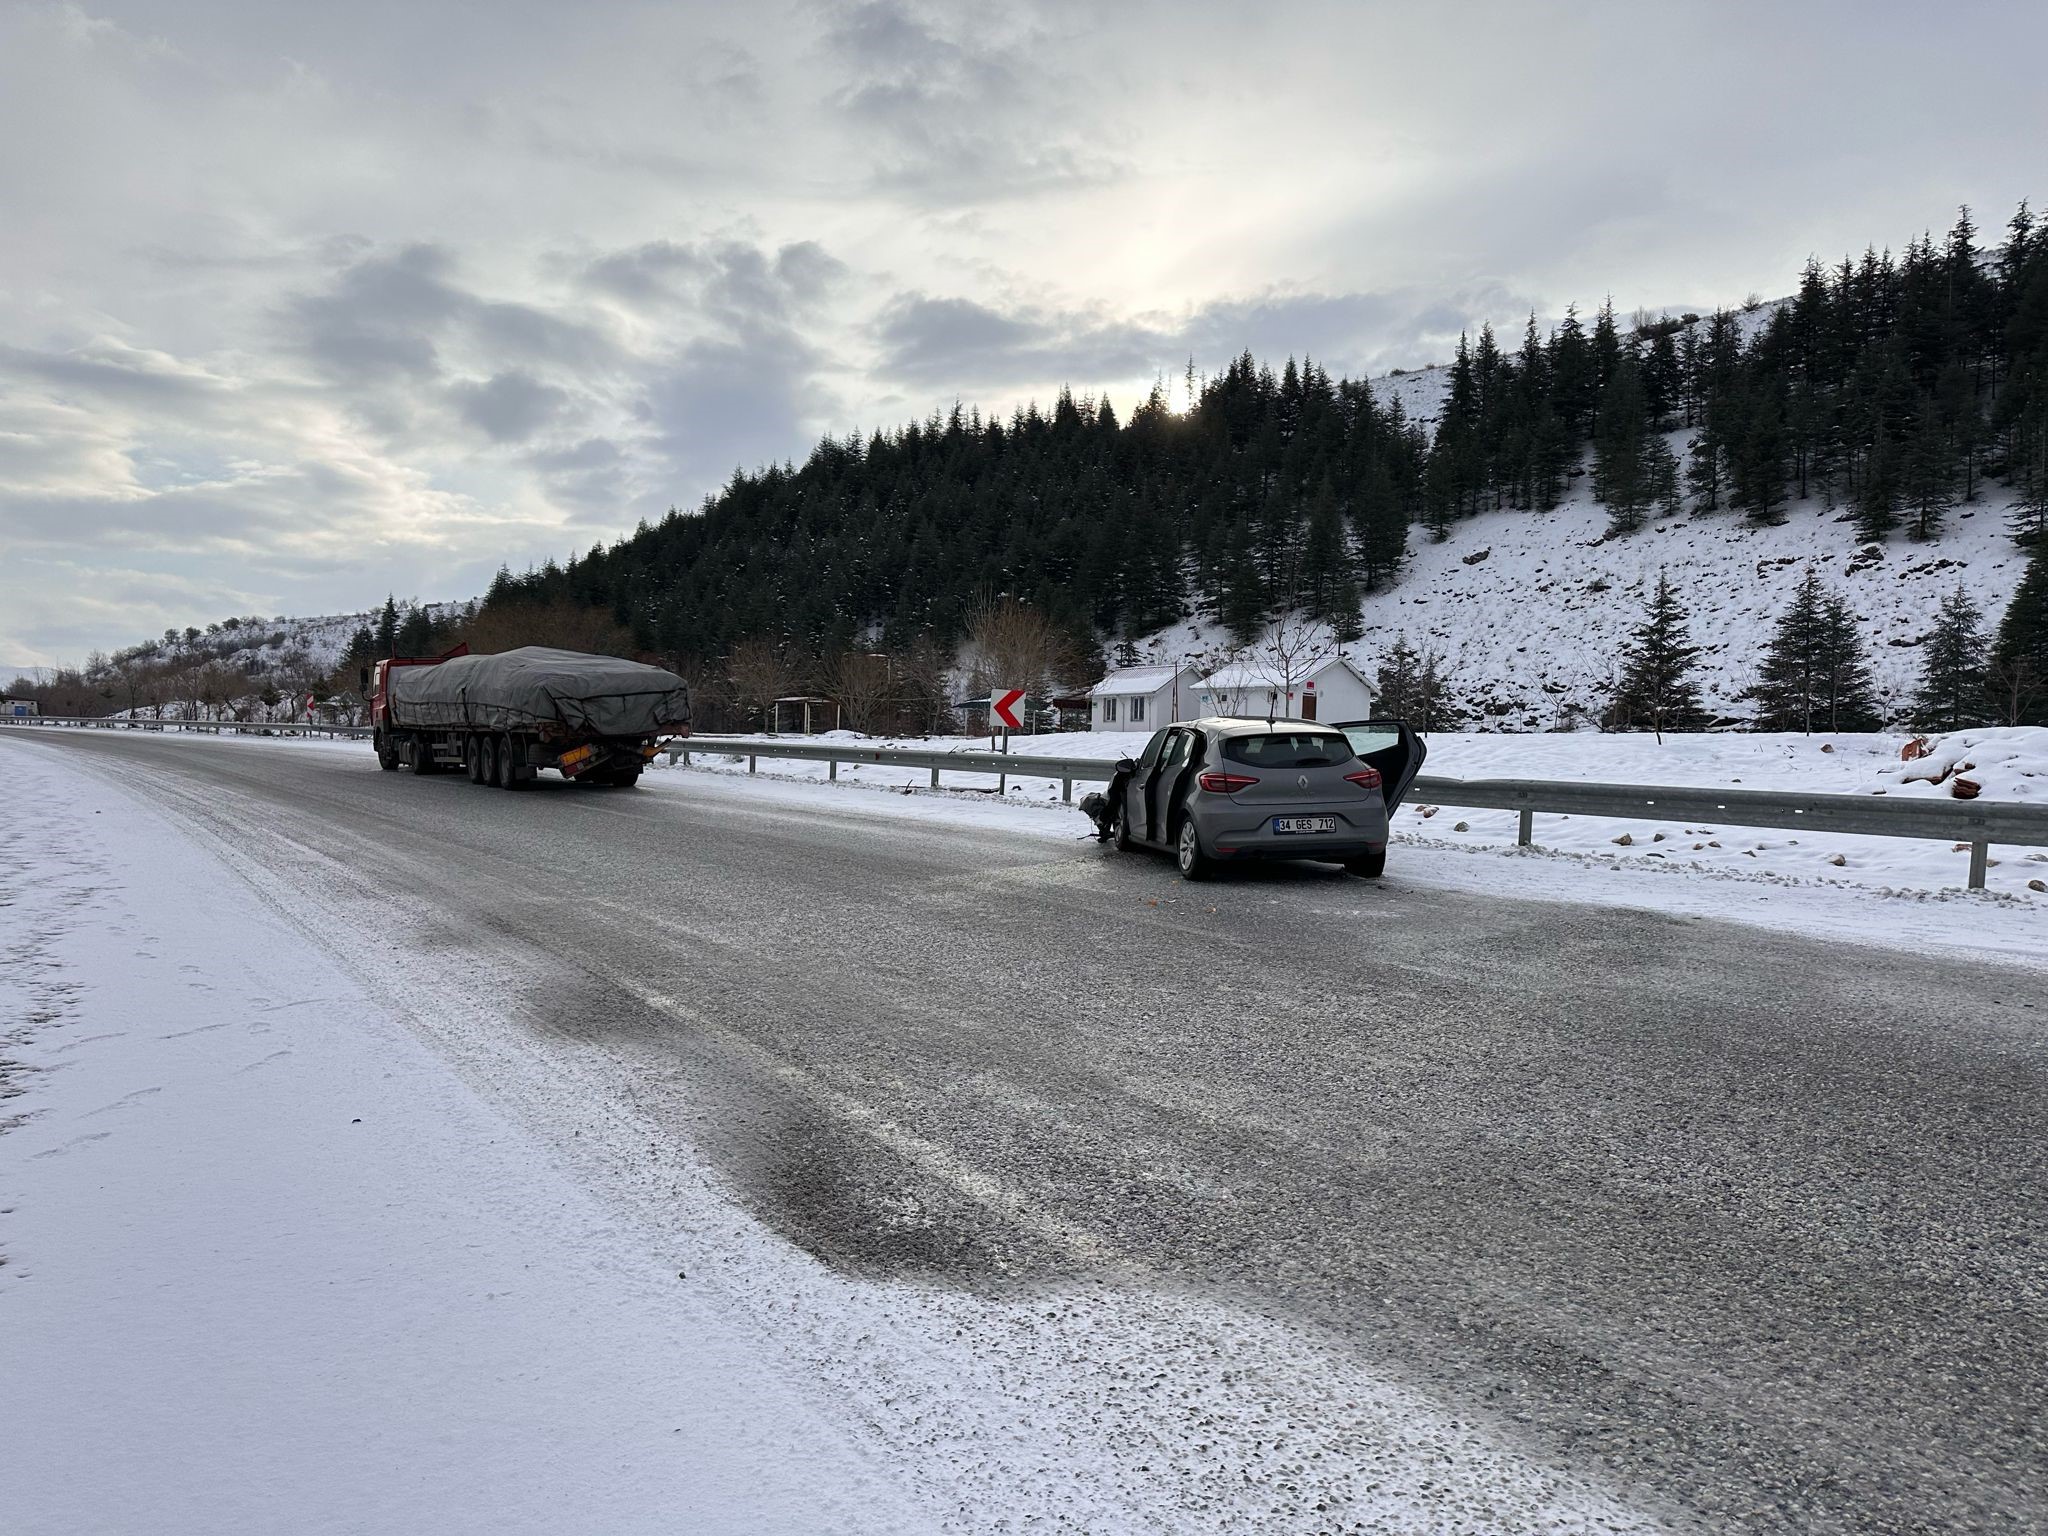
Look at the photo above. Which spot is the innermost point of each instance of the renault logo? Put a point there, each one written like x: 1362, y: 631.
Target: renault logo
x: 1302, y: 782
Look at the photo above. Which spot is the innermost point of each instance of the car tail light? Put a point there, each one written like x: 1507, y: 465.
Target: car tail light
x: 1365, y: 778
x: 1225, y: 783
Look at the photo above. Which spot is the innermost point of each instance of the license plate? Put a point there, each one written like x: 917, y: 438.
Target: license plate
x: 1304, y: 823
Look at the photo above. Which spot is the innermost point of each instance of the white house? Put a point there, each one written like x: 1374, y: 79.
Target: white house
x: 1142, y: 698
x: 1332, y: 689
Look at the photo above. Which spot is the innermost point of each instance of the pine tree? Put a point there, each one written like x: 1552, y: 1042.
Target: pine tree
x: 1658, y: 692
x: 1329, y: 590
x: 2028, y: 464
x: 1435, y: 708
x: 1759, y: 461
x: 1634, y: 472
x: 1395, y: 686
x: 1847, y: 700
x: 361, y: 651
x: 2019, y: 658
x: 415, y: 634
x: 1875, y: 504
x: 1954, y: 678
x: 387, y: 628
x: 1927, y: 481
x: 1790, y: 686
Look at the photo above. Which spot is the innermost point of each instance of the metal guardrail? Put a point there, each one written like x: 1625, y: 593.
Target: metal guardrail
x: 201, y: 727
x: 1979, y: 823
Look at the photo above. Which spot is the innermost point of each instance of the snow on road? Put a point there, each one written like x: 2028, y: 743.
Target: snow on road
x: 276, y: 1261
x: 270, y: 1266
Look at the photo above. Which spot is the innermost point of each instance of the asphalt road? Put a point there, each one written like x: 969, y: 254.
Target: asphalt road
x: 1754, y: 1224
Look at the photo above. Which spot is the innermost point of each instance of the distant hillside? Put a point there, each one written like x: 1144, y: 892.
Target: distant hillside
x: 244, y: 664
x: 1529, y: 614
x: 1898, y: 404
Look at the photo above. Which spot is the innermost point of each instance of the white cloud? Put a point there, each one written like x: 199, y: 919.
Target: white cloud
x: 300, y: 304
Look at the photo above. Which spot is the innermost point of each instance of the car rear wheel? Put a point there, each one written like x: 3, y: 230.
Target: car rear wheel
x: 1187, y: 852
x: 1369, y: 866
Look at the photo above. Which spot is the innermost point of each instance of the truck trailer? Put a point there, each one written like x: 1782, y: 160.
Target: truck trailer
x: 501, y: 719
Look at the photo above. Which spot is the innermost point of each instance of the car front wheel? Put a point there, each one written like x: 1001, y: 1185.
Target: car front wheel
x: 1187, y: 852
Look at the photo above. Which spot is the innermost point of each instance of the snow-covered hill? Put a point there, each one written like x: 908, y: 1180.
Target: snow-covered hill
x: 262, y: 647
x: 1529, y: 611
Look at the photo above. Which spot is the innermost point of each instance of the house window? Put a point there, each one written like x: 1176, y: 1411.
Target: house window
x: 1137, y: 711
x: 1109, y: 711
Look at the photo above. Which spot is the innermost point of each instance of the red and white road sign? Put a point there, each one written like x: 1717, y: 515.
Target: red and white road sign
x: 1003, y: 705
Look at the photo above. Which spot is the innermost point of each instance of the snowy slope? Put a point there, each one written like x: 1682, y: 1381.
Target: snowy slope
x: 1530, y: 610
x: 257, y: 645
x: 1534, y: 641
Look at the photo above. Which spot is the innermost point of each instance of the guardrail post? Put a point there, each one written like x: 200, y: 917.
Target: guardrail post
x: 935, y: 776
x: 1525, y: 828
x: 1067, y: 790
x: 832, y: 770
x: 751, y: 762
x: 1980, y: 858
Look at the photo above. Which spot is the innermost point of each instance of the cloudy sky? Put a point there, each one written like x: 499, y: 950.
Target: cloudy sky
x: 303, y: 303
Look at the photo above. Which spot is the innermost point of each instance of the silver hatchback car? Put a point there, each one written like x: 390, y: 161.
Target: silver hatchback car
x: 1219, y: 790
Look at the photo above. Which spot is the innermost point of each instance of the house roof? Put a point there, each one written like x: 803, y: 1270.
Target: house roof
x: 1130, y: 680
x: 1261, y: 673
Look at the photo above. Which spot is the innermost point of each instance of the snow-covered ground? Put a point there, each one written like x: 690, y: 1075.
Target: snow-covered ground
x: 268, y: 1264
x: 282, y: 1258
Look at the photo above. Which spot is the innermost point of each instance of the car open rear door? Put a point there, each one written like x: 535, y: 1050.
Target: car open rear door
x: 1391, y: 747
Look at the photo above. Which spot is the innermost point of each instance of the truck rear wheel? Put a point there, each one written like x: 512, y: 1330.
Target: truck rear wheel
x: 472, y: 759
x: 423, y: 756
x: 507, y: 754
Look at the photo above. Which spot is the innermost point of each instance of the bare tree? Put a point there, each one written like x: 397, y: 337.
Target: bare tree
x: 864, y: 686
x: 1296, y: 646
x: 922, y: 674
x: 760, y: 672
x: 1010, y: 644
x: 2014, y: 688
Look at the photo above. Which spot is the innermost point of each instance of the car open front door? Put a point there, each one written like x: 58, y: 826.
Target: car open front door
x: 1169, y: 781
x: 1392, y: 748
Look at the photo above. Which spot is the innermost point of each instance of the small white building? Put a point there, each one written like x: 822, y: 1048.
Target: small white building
x: 1142, y: 698
x: 19, y: 709
x: 1332, y: 689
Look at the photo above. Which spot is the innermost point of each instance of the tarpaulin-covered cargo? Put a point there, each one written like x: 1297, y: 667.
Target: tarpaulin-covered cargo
x: 534, y: 687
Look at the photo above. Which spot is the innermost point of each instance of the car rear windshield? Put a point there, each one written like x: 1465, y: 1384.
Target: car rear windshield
x: 1288, y: 749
